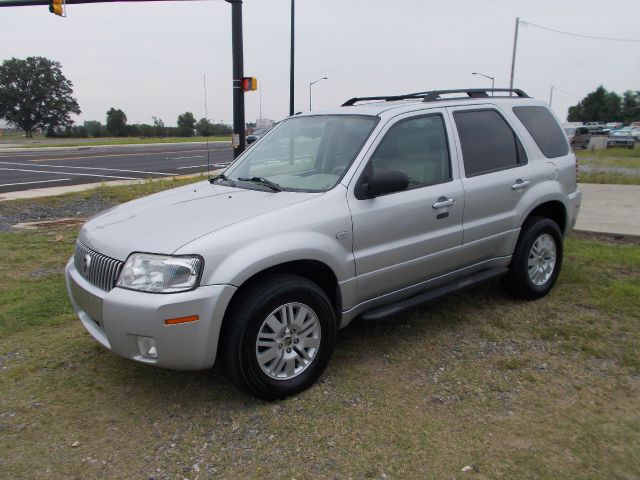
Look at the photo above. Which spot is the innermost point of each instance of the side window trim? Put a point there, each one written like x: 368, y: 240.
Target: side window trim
x: 520, y: 147
x: 391, y: 126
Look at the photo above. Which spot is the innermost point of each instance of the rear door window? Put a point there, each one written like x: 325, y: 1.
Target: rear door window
x: 544, y: 129
x: 487, y: 141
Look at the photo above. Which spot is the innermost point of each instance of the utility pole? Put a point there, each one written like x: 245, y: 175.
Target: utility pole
x: 238, y: 74
x: 551, y: 96
x: 291, y: 72
x: 513, y: 58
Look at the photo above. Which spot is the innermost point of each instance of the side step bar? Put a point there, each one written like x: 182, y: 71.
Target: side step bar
x: 412, y: 302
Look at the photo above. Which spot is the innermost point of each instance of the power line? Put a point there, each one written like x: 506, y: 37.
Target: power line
x: 566, y: 93
x: 591, y: 37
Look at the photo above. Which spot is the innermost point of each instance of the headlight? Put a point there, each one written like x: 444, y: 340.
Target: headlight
x: 160, y: 273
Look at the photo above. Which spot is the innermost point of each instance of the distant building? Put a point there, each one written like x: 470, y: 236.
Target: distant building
x: 264, y: 123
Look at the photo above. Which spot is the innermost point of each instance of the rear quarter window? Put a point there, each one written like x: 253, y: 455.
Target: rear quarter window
x: 544, y: 129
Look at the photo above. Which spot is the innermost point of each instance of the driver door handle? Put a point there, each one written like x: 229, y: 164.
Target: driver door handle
x: 443, y: 202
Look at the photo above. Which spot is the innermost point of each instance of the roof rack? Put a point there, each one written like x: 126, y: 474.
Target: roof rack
x: 434, y: 95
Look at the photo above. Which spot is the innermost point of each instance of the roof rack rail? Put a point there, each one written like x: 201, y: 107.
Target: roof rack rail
x: 389, y: 98
x: 434, y: 95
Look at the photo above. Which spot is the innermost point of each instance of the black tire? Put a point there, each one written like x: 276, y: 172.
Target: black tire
x: 253, y: 304
x: 518, y: 281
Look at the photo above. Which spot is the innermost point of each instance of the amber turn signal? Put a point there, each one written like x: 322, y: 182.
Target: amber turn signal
x: 175, y: 321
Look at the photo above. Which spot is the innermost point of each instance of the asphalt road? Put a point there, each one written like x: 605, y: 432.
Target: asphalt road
x: 24, y: 169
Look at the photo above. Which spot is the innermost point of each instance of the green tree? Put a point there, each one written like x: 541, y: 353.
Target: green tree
x: 158, y: 127
x: 598, y: 106
x: 631, y: 106
x: 35, y: 94
x: 93, y: 128
x: 204, y: 127
x: 186, y: 124
x: 116, y: 122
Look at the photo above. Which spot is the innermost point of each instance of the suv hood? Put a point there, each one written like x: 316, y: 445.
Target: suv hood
x: 163, y: 222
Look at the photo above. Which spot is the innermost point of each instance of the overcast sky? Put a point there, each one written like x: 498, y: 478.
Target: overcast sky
x: 149, y: 58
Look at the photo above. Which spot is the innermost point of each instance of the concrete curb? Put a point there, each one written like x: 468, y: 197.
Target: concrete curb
x: 612, y: 209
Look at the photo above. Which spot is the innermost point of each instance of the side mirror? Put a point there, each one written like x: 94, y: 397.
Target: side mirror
x: 381, y: 183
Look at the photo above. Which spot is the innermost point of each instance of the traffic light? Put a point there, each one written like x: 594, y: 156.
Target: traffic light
x: 57, y: 7
x: 249, y: 84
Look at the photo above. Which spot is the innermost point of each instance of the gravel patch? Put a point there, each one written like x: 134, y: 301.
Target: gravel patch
x: 12, y: 213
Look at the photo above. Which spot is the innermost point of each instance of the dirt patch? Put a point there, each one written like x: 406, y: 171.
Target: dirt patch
x: 608, y: 238
x: 49, y: 223
x: 76, y: 210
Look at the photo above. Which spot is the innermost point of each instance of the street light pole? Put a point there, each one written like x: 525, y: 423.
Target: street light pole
x: 291, y: 67
x: 310, y: 85
x: 486, y: 76
x: 513, y: 58
x: 551, y: 96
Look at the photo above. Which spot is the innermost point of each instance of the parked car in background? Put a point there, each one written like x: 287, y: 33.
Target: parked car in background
x: 256, y: 134
x: 578, y: 137
x: 621, y: 138
x: 635, y: 133
x: 596, y: 128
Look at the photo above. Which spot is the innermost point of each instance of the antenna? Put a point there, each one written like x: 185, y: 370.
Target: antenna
x: 206, y: 116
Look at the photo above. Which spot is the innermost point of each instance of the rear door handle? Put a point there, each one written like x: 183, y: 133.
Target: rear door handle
x: 443, y: 202
x: 520, y: 184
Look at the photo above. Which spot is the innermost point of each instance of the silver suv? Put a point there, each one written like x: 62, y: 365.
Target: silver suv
x: 363, y: 211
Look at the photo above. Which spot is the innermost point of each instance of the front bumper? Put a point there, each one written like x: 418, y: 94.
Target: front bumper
x: 574, y: 200
x: 611, y: 144
x: 116, y: 319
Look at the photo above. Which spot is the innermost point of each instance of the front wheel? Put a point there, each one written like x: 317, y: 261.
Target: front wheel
x: 279, y: 336
x: 536, y: 261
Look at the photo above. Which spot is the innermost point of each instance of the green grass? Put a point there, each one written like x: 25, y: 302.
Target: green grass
x: 547, y: 389
x: 602, y: 160
x: 124, y: 141
x: 116, y: 194
x: 610, y: 178
x: 611, y: 157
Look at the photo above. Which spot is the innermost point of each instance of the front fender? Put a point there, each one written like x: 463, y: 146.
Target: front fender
x: 261, y: 254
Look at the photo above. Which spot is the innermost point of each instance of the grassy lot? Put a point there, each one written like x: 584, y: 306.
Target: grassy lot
x: 616, y: 165
x: 546, y: 389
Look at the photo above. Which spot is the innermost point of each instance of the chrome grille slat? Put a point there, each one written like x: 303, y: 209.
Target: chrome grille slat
x: 103, y: 271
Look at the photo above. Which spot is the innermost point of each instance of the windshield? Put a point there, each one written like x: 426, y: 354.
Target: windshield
x: 570, y: 130
x: 303, y: 154
x: 620, y: 133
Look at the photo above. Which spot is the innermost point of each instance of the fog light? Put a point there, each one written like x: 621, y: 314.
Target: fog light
x: 147, y: 347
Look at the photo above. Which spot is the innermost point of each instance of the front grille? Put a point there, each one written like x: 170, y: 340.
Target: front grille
x: 98, y: 269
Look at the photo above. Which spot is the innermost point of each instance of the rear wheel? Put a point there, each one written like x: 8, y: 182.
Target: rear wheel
x: 536, y: 261
x: 279, y: 337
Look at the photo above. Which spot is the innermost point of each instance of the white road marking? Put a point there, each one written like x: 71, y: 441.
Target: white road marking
x: 212, y: 165
x: 83, y: 157
x: 69, y: 173
x: 88, y: 168
x: 191, y: 166
x: 38, y: 181
x: 184, y: 158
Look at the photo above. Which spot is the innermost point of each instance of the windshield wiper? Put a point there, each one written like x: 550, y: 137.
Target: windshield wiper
x: 262, y: 181
x: 224, y: 178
